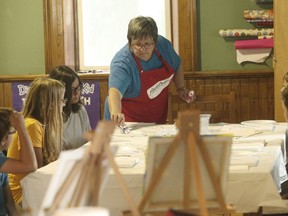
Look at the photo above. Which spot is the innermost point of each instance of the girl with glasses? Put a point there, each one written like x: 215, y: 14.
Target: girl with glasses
x: 76, y: 120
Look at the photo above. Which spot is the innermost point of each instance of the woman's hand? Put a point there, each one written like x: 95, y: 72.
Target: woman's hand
x: 118, y: 118
x: 186, y: 94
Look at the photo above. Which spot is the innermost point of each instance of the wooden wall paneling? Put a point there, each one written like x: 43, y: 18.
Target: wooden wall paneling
x: 8, y: 94
x: 218, y: 86
x: 200, y: 86
x: 226, y: 85
x: 201, y: 83
x: 200, y: 90
x: 226, y: 88
x: 262, y: 100
x: 2, y: 95
x: 209, y: 89
x: 271, y: 99
x: 235, y: 86
x: 209, y: 86
x: 263, y: 97
x: 222, y: 88
x: 244, y: 98
x: 254, y: 95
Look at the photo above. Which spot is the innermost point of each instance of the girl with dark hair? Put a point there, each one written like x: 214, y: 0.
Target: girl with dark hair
x: 76, y: 120
x: 12, y: 122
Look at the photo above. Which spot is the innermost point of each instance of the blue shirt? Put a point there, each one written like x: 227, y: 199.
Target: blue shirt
x: 3, y: 182
x: 124, y: 73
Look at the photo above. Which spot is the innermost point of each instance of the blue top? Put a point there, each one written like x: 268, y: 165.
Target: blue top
x: 3, y: 182
x: 124, y: 73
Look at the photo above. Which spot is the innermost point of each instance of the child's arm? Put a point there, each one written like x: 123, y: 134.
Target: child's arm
x: 27, y: 161
x: 9, y: 201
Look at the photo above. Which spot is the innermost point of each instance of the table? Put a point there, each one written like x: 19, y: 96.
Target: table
x: 248, y: 190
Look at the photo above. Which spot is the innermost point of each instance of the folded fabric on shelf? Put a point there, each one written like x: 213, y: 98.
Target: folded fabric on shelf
x: 265, y: 37
x: 259, y: 14
x: 246, y: 32
x: 254, y: 44
x: 261, y: 23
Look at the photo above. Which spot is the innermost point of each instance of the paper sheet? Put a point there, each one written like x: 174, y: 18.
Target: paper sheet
x: 252, y: 55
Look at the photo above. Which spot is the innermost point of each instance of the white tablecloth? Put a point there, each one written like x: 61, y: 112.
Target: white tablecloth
x: 247, y: 189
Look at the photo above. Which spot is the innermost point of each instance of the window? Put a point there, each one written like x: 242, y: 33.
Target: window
x: 103, y: 27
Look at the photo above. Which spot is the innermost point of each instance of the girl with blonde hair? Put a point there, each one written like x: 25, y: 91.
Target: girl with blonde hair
x: 43, y: 120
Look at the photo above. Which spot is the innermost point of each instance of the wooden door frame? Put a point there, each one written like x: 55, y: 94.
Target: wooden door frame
x: 280, y: 54
x: 60, y: 33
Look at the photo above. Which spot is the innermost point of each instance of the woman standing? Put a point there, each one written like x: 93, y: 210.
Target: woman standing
x: 42, y: 112
x: 76, y: 120
x: 140, y: 74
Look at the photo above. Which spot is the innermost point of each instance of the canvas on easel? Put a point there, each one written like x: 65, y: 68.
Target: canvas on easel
x: 187, y: 172
x: 78, y: 181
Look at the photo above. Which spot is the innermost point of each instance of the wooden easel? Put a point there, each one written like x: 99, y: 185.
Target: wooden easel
x: 86, y: 192
x: 188, y: 124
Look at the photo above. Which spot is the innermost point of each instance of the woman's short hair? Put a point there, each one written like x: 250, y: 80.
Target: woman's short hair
x: 140, y: 27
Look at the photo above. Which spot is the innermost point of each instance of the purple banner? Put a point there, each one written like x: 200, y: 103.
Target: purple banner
x: 90, y: 96
x: 91, y: 99
x: 19, y: 92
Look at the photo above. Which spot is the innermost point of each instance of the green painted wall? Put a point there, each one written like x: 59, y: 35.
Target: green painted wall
x: 22, y: 37
x: 218, y: 53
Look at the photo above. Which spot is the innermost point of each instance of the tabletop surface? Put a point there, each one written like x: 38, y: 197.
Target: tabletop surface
x: 257, y: 167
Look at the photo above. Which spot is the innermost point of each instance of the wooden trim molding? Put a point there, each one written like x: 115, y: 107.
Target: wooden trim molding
x: 188, y: 42
x: 229, y: 74
x: 60, y: 33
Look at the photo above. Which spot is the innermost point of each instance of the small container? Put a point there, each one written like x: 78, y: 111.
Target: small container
x: 191, y: 96
x: 204, y: 123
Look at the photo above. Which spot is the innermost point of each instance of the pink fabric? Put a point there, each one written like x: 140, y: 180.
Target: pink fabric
x: 254, y: 44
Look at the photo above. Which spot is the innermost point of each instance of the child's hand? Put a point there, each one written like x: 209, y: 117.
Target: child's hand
x: 17, y: 121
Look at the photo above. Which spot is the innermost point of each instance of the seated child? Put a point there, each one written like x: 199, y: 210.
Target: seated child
x: 13, y: 122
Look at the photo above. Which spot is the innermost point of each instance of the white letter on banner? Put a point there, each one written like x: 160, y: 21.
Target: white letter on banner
x: 86, y: 100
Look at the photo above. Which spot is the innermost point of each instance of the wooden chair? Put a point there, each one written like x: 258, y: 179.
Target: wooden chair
x: 221, y: 107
